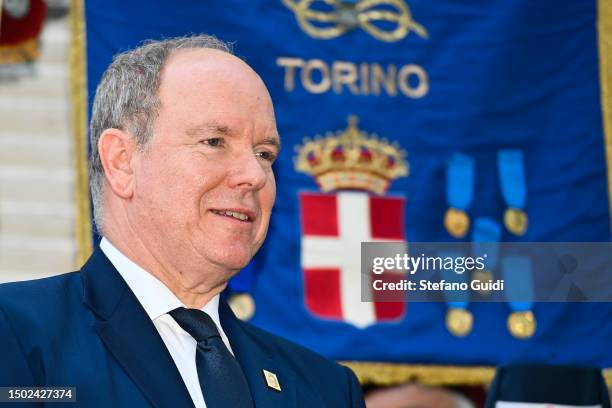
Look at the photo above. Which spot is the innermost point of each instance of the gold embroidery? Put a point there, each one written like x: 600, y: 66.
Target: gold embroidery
x: 342, y: 17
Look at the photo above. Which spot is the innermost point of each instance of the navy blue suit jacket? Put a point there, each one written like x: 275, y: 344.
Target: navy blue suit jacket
x: 87, y: 330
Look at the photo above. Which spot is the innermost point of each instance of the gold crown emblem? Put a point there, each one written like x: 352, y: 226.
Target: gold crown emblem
x: 351, y: 159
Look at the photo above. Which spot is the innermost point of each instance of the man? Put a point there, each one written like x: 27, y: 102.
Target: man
x: 184, y: 137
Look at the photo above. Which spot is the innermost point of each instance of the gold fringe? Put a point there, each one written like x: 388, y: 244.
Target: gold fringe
x: 387, y: 374
x: 604, y: 29
x: 604, y: 37
x: 78, y: 93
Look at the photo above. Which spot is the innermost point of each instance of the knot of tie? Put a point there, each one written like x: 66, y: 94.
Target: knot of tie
x: 197, y: 323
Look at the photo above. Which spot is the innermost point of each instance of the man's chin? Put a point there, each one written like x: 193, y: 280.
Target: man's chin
x: 235, y: 264
x: 228, y: 256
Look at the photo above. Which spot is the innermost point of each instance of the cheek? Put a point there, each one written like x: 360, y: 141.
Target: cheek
x: 269, y: 193
x: 173, y: 186
x: 193, y: 177
x: 157, y: 168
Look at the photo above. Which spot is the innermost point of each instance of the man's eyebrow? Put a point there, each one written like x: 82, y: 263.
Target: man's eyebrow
x: 224, y: 130
x: 209, y: 127
x: 271, y: 141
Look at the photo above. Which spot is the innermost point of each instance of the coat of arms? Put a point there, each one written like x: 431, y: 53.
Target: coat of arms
x: 353, y: 170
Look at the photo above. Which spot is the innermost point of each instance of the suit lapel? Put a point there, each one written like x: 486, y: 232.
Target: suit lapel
x: 130, y: 335
x: 254, y: 357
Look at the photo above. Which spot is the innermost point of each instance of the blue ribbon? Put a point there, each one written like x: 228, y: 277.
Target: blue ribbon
x: 460, y: 299
x: 512, y: 177
x: 486, y: 234
x: 518, y: 282
x: 460, y: 181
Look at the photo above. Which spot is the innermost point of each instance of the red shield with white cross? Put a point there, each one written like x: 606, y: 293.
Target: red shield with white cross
x: 333, y: 227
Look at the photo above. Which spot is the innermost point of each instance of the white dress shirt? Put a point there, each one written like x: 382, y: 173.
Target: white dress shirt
x: 157, y: 300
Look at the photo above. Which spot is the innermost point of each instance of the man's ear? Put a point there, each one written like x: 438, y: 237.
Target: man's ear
x: 116, y: 149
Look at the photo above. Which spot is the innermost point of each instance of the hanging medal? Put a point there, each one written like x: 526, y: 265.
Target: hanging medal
x: 511, y: 168
x: 518, y: 283
x: 459, y: 319
x: 459, y: 194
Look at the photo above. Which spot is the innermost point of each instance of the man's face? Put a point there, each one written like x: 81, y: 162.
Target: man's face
x: 204, y: 186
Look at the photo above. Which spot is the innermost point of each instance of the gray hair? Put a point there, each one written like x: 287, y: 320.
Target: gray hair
x: 127, y: 99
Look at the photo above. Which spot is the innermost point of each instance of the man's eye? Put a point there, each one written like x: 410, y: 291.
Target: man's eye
x: 214, y: 142
x: 268, y: 156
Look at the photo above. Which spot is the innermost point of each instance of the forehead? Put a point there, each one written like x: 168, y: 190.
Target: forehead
x: 207, y: 84
x: 209, y: 70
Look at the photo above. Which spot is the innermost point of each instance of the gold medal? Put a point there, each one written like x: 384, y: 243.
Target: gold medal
x: 522, y: 325
x: 456, y: 222
x: 482, y: 275
x: 459, y: 321
x: 516, y: 221
x: 242, y: 305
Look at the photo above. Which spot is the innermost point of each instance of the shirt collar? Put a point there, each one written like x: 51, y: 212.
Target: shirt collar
x: 153, y: 295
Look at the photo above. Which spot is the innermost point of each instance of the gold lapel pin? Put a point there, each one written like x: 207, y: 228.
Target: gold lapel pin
x: 271, y: 380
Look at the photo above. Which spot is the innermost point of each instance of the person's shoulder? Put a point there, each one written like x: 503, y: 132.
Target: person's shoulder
x: 34, y: 317
x: 39, y: 293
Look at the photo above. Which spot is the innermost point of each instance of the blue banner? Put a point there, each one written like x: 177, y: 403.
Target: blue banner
x: 394, y: 89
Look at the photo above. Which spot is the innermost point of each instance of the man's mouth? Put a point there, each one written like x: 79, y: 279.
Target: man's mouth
x: 241, y: 216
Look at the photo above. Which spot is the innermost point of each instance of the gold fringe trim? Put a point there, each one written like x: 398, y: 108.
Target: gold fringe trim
x: 26, y: 51
x: 78, y: 93
x: 604, y: 31
x: 387, y: 374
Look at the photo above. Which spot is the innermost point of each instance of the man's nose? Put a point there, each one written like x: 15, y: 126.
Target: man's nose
x: 248, y: 172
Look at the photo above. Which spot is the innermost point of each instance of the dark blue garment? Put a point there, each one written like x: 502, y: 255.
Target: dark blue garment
x: 87, y: 330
